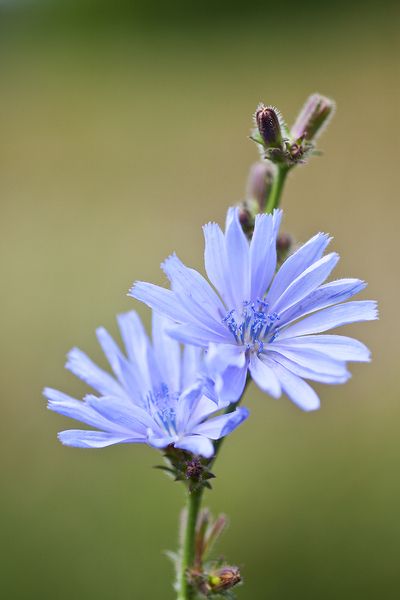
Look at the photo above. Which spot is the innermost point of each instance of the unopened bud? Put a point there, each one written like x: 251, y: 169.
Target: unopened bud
x: 283, y: 242
x: 245, y: 218
x: 313, y: 117
x: 269, y: 126
x: 259, y: 183
x: 224, y: 579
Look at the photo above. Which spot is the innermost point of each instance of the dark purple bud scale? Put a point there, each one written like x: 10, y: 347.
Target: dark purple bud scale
x: 269, y: 126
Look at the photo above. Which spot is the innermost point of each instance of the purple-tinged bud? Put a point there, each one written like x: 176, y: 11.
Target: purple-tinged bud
x: 224, y: 579
x: 284, y: 242
x: 269, y: 125
x: 259, y: 183
x: 313, y: 118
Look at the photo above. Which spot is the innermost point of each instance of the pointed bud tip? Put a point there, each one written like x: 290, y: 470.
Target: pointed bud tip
x: 268, y: 122
x: 313, y: 118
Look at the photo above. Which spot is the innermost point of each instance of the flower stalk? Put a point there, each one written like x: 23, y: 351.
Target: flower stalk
x: 185, y: 589
x: 277, y: 188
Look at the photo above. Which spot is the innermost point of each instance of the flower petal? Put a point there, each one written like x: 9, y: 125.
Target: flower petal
x: 188, y: 282
x: 217, y: 427
x: 335, y: 316
x: 197, y: 336
x: 296, y: 389
x: 78, y: 410
x: 262, y: 255
x: 162, y: 300
x: 197, y: 444
x: 293, y: 266
x: 338, y: 347
x: 306, y: 282
x: 312, y: 365
x: 237, y: 248
x: 80, y: 438
x: 127, y: 416
x: 324, y: 296
x: 216, y: 262
x: 83, y: 367
x: 140, y: 373
x: 230, y: 384
x: 167, y: 353
x: 264, y: 376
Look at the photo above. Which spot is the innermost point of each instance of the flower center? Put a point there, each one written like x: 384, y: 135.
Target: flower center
x: 161, y: 405
x: 254, y: 326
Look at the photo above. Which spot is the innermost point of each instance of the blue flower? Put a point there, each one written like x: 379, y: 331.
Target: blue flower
x: 255, y: 319
x: 156, y: 395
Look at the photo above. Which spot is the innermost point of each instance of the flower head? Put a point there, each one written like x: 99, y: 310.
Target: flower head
x: 253, y: 319
x: 155, y: 396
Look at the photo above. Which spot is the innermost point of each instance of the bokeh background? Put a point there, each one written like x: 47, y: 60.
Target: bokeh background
x: 123, y: 129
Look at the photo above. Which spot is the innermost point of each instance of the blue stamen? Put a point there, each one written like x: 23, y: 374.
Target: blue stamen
x: 253, y: 325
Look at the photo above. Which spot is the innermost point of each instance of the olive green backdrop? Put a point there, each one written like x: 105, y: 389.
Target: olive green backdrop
x: 124, y: 129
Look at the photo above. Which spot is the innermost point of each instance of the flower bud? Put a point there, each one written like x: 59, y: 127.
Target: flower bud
x: 224, y: 579
x: 284, y: 243
x: 313, y: 117
x: 269, y: 126
x: 259, y: 183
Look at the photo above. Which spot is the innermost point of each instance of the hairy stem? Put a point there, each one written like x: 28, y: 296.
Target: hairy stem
x: 277, y: 187
x: 188, y: 544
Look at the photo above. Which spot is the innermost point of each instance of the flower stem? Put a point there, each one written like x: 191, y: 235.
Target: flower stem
x: 188, y: 544
x: 277, y: 187
x: 192, y: 510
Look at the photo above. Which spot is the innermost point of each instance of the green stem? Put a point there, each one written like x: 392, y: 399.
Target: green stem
x: 192, y: 510
x: 277, y: 187
x: 188, y: 545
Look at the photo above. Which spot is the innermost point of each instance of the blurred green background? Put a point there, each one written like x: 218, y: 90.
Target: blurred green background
x: 123, y: 130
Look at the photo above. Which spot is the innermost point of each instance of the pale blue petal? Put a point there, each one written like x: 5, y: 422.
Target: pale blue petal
x: 230, y: 384
x: 187, y: 404
x: 277, y: 214
x: 201, y: 410
x: 338, y: 347
x: 237, y: 247
x: 78, y: 410
x: 158, y: 441
x: 293, y: 266
x: 221, y: 356
x: 297, y: 389
x: 161, y: 300
x: 262, y: 256
x: 110, y: 349
x: 216, y: 262
x: 335, y: 316
x: 324, y: 296
x: 127, y: 416
x: 197, y: 335
x: 192, y: 365
x: 79, y: 438
x: 84, y: 368
x: 217, y: 427
x: 306, y: 282
x: 196, y: 444
x: 312, y: 365
x: 188, y: 282
x: 167, y: 353
x: 264, y: 376
x: 142, y: 370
